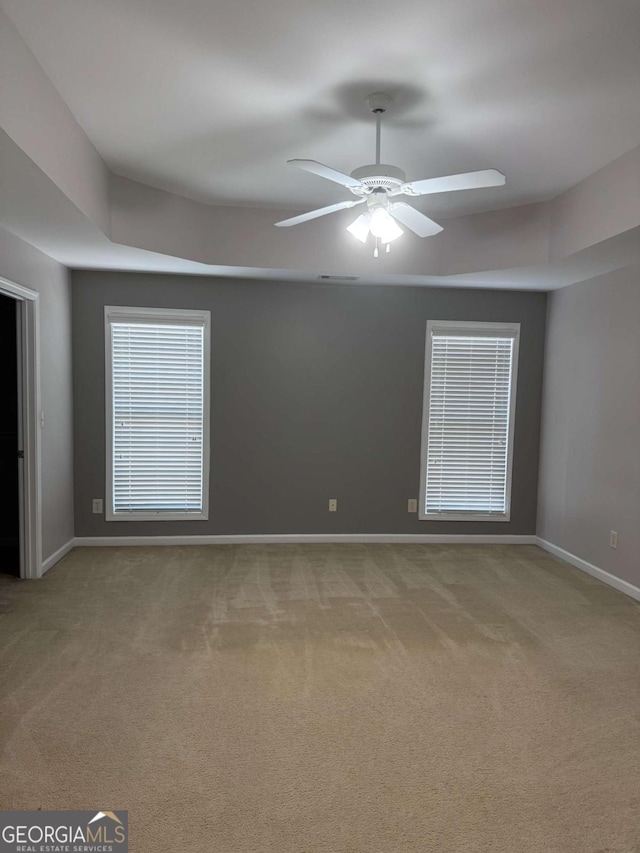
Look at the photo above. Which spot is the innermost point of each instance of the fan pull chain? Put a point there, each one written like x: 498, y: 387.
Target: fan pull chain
x: 388, y: 249
x: 375, y: 251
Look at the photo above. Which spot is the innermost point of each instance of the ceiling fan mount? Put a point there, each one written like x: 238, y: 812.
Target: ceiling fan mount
x: 379, y: 102
x: 379, y: 183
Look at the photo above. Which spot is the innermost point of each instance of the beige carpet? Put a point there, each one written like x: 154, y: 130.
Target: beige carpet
x: 352, y: 699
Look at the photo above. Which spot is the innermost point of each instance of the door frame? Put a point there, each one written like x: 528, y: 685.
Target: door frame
x: 29, y: 426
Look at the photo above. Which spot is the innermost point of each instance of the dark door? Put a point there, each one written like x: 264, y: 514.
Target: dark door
x: 9, y: 488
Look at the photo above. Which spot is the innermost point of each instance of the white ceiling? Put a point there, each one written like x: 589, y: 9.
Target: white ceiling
x: 209, y: 99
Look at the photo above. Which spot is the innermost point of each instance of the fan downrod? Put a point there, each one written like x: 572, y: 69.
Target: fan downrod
x: 378, y: 176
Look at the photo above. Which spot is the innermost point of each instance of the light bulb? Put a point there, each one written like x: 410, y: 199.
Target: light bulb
x: 360, y: 227
x: 384, y: 226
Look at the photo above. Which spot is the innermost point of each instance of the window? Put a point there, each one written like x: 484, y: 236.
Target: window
x: 468, y: 420
x: 157, y: 407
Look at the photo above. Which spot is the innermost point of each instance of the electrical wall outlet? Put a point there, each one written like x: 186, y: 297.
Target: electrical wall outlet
x: 333, y: 505
x: 613, y: 538
x: 97, y: 506
x: 412, y: 505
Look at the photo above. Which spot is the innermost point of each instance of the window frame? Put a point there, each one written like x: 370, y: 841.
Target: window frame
x: 508, y: 330
x: 168, y: 316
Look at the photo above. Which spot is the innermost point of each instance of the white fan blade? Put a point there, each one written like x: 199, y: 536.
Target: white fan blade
x: 414, y: 220
x: 321, y: 211
x: 449, y: 183
x: 326, y: 172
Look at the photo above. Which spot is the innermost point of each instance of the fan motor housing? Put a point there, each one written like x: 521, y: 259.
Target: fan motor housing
x: 379, y: 175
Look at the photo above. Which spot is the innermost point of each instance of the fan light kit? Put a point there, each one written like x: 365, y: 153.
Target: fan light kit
x: 379, y: 184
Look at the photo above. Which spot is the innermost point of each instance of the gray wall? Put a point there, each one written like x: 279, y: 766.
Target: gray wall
x: 21, y: 263
x: 590, y: 460
x: 316, y: 393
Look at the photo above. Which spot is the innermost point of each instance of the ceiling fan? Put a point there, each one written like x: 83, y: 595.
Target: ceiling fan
x: 379, y: 185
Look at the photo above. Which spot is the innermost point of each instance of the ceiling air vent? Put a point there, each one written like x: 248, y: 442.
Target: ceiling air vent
x: 338, y: 277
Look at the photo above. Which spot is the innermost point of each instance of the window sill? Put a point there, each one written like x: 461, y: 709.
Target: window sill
x: 465, y: 516
x: 156, y: 516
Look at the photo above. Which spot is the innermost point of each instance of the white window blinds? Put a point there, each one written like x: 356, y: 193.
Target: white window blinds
x: 158, y: 416
x: 470, y: 421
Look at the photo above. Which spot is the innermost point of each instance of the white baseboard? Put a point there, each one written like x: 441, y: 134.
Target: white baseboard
x: 58, y: 555
x: 590, y: 569
x: 363, y: 538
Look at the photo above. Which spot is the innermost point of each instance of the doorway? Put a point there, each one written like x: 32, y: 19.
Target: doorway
x: 20, y: 422
x: 9, y: 440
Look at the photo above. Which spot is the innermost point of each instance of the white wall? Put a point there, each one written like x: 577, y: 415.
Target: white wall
x: 590, y: 454
x: 21, y: 263
x: 35, y: 117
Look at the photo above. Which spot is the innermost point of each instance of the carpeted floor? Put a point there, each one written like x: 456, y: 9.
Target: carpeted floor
x: 339, y: 698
